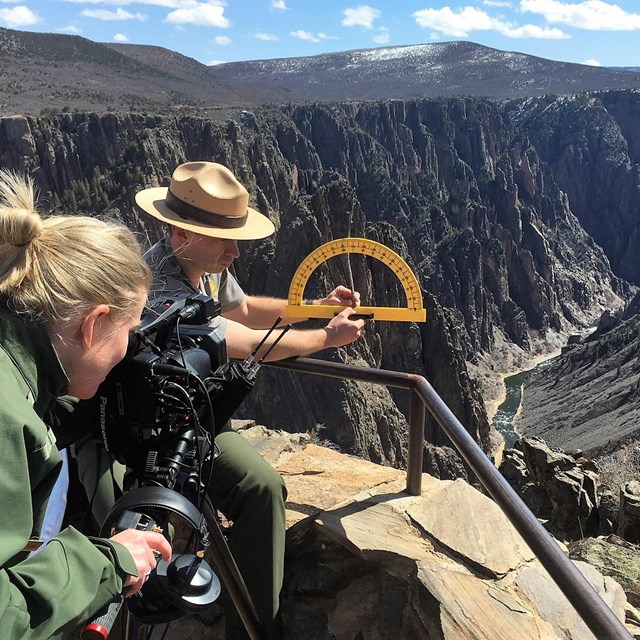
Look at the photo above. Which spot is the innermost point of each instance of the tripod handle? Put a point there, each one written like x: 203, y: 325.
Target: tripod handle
x: 100, y: 627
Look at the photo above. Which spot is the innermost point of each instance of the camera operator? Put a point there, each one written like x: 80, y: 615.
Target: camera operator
x: 71, y: 289
x: 206, y: 211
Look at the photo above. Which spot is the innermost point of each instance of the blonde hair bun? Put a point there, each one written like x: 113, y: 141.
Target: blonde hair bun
x: 19, y: 227
x: 42, y: 259
x: 20, y: 223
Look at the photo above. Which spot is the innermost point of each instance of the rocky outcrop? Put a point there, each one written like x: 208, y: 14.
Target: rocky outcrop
x: 629, y: 521
x: 564, y: 492
x: 367, y: 561
x: 559, y: 489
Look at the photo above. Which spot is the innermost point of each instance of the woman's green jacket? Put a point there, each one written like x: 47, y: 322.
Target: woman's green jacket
x: 72, y: 577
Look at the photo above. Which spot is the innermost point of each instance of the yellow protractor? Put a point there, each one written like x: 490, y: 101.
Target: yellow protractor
x: 296, y: 308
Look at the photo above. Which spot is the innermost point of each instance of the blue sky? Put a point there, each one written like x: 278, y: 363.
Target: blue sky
x: 589, y: 31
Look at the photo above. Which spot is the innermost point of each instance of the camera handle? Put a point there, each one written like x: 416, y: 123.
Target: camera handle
x: 100, y: 627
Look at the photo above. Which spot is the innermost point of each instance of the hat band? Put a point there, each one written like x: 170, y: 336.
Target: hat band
x: 210, y: 218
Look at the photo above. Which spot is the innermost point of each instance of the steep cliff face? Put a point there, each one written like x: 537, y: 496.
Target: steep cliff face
x: 451, y: 185
x: 492, y: 237
x: 591, y: 146
x: 588, y: 399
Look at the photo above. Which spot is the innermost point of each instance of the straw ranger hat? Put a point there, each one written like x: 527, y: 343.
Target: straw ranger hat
x: 206, y: 198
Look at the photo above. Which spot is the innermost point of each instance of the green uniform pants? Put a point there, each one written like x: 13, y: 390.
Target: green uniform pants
x: 244, y: 487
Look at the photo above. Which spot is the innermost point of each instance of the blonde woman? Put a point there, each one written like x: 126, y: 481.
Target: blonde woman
x: 71, y: 290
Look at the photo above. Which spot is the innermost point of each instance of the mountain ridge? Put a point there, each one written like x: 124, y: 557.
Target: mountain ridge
x: 310, y: 78
x: 66, y: 72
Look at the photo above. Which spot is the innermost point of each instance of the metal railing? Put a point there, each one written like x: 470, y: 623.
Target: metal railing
x: 592, y: 609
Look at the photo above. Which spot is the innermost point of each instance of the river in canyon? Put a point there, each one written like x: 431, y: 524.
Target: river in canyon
x: 507, y: 411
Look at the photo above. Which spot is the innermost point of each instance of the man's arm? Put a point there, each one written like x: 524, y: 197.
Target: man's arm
x: 242, y: 340
x: 260, y: 312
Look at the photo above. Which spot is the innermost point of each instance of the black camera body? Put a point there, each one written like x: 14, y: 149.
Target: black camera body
x: 154, y: 412
x: 166, y: 383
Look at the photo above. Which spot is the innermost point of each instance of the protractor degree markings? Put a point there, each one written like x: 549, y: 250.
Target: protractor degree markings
x: 369, y: 248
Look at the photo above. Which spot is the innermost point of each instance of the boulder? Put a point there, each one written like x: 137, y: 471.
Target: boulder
x: 555, y: 486
x: 629, y: 519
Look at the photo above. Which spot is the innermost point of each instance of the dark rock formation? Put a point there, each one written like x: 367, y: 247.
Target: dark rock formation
x: 565, y: 493
x: 629, y: 521
x: 556, y: 487
x: 593, y: 140
x: 452, y: 185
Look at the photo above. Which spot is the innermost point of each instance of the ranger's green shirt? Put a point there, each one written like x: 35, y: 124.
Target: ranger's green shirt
x: 73, y: 577
x: 170, y: 280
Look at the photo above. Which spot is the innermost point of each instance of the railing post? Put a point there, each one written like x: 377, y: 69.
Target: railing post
x: 417, y: 413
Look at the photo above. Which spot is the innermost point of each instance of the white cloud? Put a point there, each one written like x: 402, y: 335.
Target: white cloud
x: 304, y: 35
x: 362, y: 16
x: 496, y: 3
x: 534, y: 31
x: 213, y: 63
x: 120, y: 37
x: 592, y: 63
x: 267, y: 37
x: 311, y: 37
x: 591, y: 15
x: 382, y: 37
x: 169, y: 4
x: 201, y: 15
x: 118, y: 14
x: 457, y: 25
x: 280, y: 5
x: 19, y: 17
x: 461, y: 23
x: 70, y: 28
x: 223, y: 41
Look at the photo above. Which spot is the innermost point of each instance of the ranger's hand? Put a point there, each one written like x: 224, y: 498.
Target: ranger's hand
x: 342, y: 296
x: 342, y: 330
x: 143, y: 546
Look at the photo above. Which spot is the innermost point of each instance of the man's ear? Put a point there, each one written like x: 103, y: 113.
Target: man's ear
x: 91, y: 324
x: 180, y: 234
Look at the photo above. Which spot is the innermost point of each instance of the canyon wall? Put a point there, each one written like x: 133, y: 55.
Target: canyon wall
x: 471, y: 193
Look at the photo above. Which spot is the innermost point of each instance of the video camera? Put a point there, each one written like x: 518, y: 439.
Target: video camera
x: 158, y: 412
x: 165, y: 389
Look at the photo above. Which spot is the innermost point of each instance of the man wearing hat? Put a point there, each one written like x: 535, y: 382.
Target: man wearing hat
x: 206, y: 210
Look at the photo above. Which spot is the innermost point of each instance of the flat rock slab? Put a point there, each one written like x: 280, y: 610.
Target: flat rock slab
x: 318, y: 478
x: 449, y: 514
x: 536, y: 585
x: 473, y: 608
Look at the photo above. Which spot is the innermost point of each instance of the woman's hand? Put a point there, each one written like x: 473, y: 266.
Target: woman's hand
x: 143, y: 547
